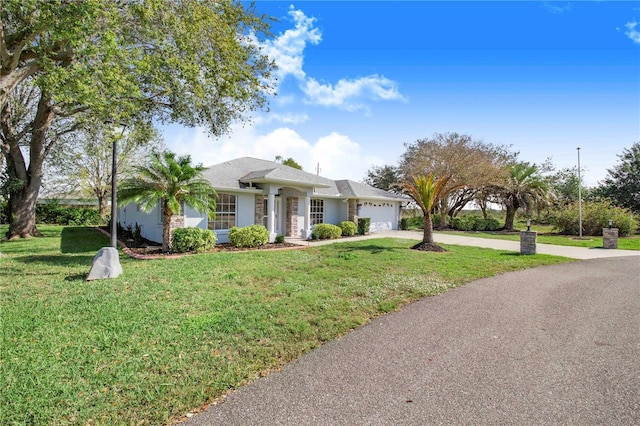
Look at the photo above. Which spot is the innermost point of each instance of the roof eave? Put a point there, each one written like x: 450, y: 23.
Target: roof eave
x: 286, y: 182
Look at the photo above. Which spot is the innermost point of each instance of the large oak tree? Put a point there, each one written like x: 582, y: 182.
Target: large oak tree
x: 193, y: 62
x: 473, y: 166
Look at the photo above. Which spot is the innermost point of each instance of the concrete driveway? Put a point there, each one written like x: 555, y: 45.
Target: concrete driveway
x: 551, y: 345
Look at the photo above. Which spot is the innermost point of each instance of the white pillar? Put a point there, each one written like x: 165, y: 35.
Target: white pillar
x: 271, y: 216
x: 306, y: 231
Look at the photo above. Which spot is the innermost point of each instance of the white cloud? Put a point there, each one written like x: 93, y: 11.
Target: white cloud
x: 557, y: 8
x: 287, y: 50
x: 349, y: 94
x: 287, y: 118
x: 339, y: 156
x: 632, y: 33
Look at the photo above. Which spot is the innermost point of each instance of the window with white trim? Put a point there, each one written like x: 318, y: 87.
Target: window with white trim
x: 225, y: 213
x: 317, y: 211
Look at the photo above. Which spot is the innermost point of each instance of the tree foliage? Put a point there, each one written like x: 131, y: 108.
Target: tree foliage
x: 288, y: 162
x: 622, y: 184
x: 384, y: 177
x: 472, y: 164
x: 82, y: 165
x: 524, y: 186
x: 427, y: 191
x: 171, y: 181
x: 194, y: 62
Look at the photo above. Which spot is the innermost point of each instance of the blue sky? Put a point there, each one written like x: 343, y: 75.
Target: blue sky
x: 357, y: 80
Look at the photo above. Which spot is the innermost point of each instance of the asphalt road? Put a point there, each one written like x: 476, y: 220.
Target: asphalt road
x: 551, y: 345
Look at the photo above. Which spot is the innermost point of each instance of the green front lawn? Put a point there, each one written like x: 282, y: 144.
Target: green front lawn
x: 624, y: 243
x: 170, y: 335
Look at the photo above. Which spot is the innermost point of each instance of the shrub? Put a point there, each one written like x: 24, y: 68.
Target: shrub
x: 53, y: 213
x: 323, y: 231
x: 192, y: 239
x: 404, y: 223
x: 348, y: 228
x: 491, y: 224
x: 248, y: 236
x: 363, y: 225
x: 413, y: 222
x: 279, y: 239
x: 595, y: 216
x: 474, y: 223
x: 136, y: 233
x: 462, y: 223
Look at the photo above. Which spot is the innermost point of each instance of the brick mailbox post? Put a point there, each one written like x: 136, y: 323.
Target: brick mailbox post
x: 528, y: 240
x: 610, y: 238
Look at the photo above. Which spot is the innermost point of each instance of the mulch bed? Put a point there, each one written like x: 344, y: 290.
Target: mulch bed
x: 145, y: 249
x: 422, y: 246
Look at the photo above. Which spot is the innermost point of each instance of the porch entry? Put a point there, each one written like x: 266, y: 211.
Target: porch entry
x: 279, y: 227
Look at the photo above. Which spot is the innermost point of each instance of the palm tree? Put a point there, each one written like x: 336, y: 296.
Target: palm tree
x: 172, y: 181
x: 427, y: 191
x: 524, y: 187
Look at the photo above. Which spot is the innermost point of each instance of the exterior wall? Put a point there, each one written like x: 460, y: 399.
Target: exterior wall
x: 385, y: 215
x: 151, y: 222
x: 193, y: 219
x: 335, y: 210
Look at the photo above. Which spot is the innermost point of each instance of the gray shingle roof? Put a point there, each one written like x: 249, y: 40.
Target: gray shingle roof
x: 239, y: 173
x: 360, y: 190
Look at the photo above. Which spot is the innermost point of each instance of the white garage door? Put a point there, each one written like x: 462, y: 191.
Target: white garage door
x: 384, y: 215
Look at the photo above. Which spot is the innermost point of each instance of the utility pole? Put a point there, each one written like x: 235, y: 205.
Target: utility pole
x: 579, y: 198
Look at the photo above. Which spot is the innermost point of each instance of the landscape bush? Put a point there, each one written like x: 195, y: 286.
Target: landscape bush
x: 323, y: 231
x: 363, y: 225
x: 415, y: 222
x: 53, y: 213
x: 279, y: 238
x: 595, y: 216
x: 192, y: 239
x: 348, y: 228
x: 474, y: 223
x: 248, y: 236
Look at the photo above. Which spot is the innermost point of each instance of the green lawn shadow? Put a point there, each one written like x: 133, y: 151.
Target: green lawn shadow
x: 74, y: 239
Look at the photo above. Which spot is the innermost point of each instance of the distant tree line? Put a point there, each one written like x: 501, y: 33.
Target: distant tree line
x: 448, y: 172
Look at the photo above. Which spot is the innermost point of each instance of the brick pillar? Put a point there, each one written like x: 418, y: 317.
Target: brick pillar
x: 292, y: 217
x: 352, y: 211
x: 177, y: 221
x: 610, y: 238
x: 528, y: 242
x: 259, y: 210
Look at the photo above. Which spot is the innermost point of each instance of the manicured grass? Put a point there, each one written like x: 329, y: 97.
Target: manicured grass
x: 170, y: 335
x: 624, y: 243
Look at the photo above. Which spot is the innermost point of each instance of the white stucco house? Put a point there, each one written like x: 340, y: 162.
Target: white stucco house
x: 286, y: 200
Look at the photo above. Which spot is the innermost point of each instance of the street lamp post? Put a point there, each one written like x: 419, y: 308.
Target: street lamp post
x: 579, y: 198
x: 114, y: 189
x: 114, y: 198
x: 106, y: 264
